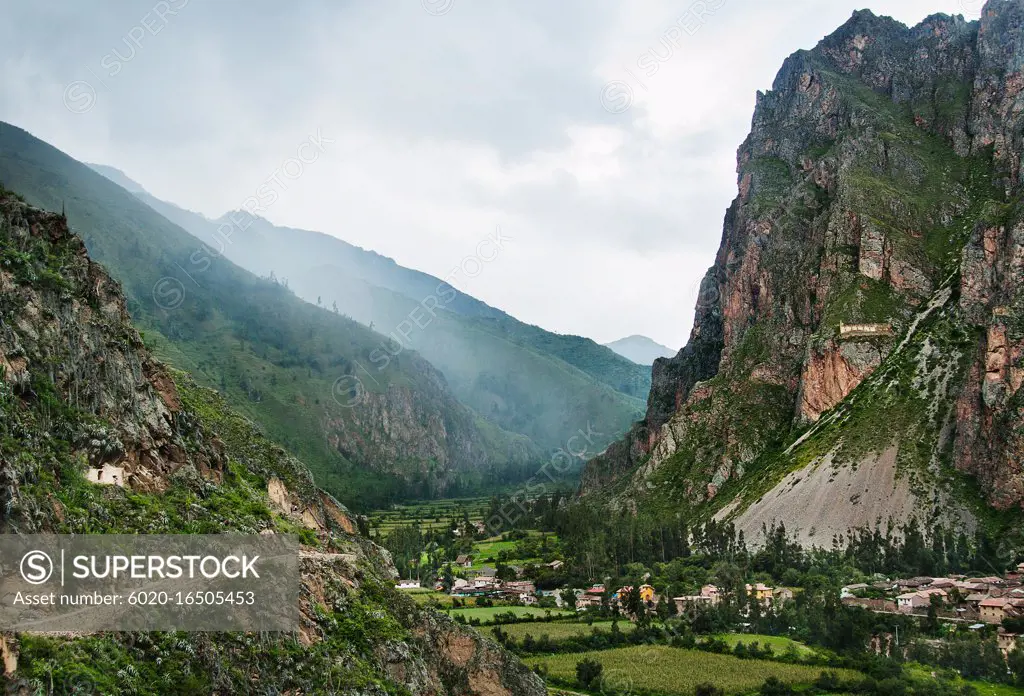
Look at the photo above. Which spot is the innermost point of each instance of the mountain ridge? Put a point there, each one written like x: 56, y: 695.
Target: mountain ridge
x: 522, y: 378
x: 640, y: 349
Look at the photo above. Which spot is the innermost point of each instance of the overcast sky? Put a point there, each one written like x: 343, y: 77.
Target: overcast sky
x: 609, y: 170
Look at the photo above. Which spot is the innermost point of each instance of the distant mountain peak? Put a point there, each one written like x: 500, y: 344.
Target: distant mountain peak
x: 118, y: 177
x: 640, y: 349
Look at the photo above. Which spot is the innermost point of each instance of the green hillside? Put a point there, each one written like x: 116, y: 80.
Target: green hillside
x: 296, y: 369
x: 522, y: 378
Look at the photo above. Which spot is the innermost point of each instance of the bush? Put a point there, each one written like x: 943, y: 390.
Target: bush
x: 588, y: 673
x: 708, y: 689
x: 828, y: 681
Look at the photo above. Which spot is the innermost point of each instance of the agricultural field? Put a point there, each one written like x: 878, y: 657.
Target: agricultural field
x: 779, y: 644
x: 923, y: 673
x: 673, y: 671
x: 560, y: 630
x: 486, y: 614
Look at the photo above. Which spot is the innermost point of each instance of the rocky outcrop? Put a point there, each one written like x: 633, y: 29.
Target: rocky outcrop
x: 832, y: 372
x: 68, y: 321
x: 882, y: 176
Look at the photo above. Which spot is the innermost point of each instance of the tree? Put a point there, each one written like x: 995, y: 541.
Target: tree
x: 568, y: 598
x: 932, y: 622
x: 1014, y: 624
x: 588, y: 673
x: 1015, y: 661
x: 505, y: 572
x: 666, y: 608
x: 633, y: 604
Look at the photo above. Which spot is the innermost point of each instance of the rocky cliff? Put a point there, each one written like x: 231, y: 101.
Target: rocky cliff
x: 80, y: 394
x: 855, y: 357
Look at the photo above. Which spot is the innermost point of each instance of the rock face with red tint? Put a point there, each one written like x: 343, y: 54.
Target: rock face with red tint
x: 878, y: 189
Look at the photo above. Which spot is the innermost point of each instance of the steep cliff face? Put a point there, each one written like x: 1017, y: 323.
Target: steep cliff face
x: 82, y: 398
x: 864, y: 301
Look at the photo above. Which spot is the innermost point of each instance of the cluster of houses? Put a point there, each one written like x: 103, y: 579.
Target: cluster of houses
x: 979, y: 601
x: 486, y: 583
x: 593, y: 597
x: 469, y: 529
x: 710, y: 596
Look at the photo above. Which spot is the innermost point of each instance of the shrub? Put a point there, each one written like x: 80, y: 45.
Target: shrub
x: 588, y: 673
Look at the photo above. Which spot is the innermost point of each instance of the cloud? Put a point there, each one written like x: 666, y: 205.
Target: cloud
x: 444, y: 126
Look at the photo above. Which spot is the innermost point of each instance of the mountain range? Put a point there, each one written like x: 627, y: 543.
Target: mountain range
x: 373, y: 419
x: 520, y: 377
x: 290, y: 366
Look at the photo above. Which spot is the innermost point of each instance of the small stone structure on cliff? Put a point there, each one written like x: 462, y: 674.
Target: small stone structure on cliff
x: 864, y: 330
x: 109, y: 475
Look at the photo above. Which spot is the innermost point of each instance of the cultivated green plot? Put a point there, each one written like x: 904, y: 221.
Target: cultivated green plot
x: 487, y: 614
x: 560, y: 630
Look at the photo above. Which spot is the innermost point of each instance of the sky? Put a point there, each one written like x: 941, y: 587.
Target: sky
x: 597, y: 137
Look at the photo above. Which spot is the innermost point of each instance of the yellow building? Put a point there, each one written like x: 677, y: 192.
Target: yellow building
x: 761, y: 592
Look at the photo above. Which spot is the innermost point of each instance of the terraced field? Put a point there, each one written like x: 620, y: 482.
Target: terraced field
x: 435, y: 514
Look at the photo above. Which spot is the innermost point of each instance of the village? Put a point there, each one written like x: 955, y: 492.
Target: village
x: 979, y: 602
